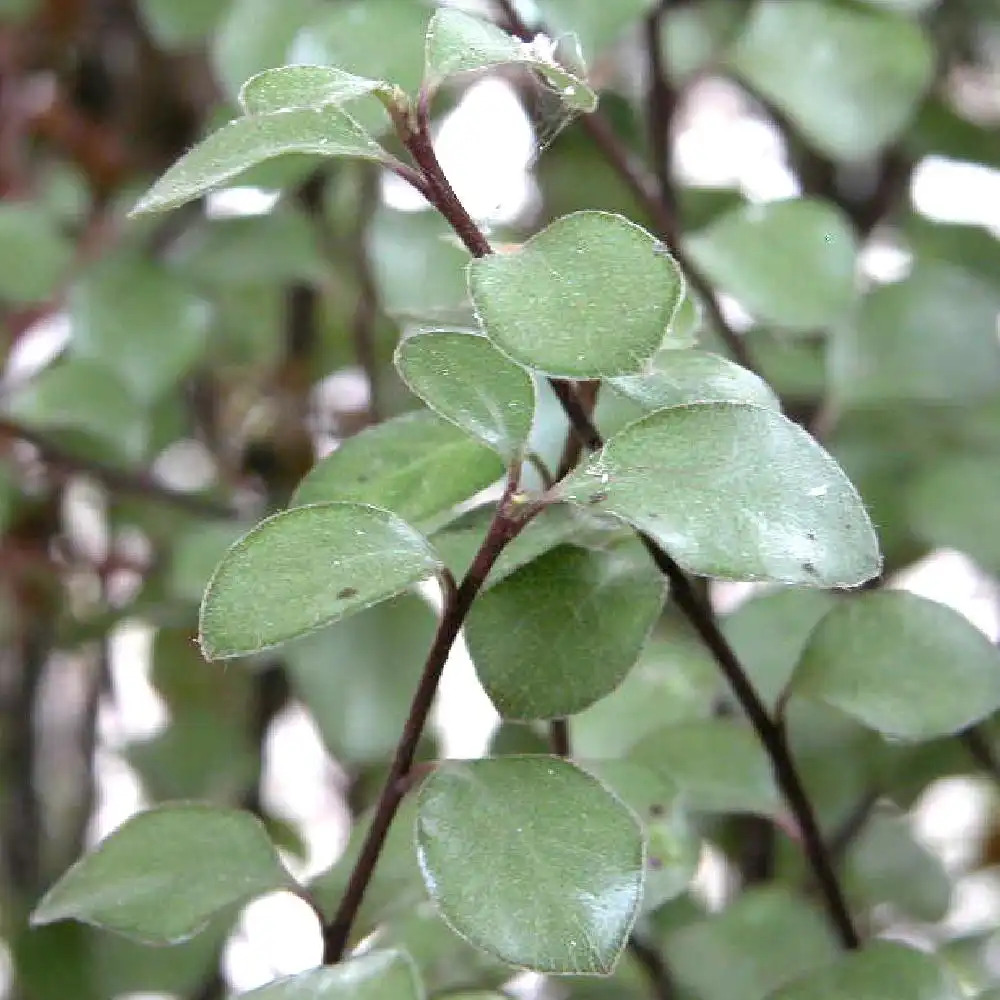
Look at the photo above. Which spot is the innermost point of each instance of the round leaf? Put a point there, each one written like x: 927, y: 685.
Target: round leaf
x: 563, y: 631
x: 679, y: 377
x: 905, y: 666
x: 718, y: 764
x: 821, y: 63
x: 306, y: 567
x: 466, y: 380
x: 459, y: 43
x: 513, y: 869
x: 752, y: 252
x: 379, y: 975
x: 590, y: 296
x: 165, y: 872
x: 416, y: 464
x: 883, y: 969
x: 734, y: 491
x: 245, y: 142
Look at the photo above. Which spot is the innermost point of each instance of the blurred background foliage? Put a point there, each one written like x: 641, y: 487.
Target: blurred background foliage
x: 167, y: 381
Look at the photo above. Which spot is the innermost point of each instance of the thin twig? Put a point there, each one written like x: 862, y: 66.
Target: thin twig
x: 979, y: 749
x: 140, y: 483
x: 559, y: 737
x: 771, y: 733
x: 507, y: 523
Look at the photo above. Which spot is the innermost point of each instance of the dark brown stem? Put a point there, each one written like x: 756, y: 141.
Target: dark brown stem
x: 979, y: 749
x: 770, y: 732
x: 458, y: 601
x: 585, y: 395
x: 140, y: 484
x: 559, y: 737
x: 661, y: 104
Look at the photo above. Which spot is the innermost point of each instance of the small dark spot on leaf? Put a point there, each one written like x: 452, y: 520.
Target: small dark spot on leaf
x: 656, y: 809
x: 597, y: 497
x: 809, y: 567
x: 655, y: 863
x: 347, y: 592
x: 811, y: 535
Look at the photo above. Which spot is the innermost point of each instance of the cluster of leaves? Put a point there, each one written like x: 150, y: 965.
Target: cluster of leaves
x: 569, y: 459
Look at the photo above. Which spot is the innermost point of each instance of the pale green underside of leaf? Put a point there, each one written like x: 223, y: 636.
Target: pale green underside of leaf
x: 304, y: 568
x: 246, y: 142
x: 734, y: 491
x: 378, y: 975
x: 162, y: 875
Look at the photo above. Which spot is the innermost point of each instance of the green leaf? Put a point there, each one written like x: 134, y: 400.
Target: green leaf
x: 179, y: 23
x: 553, y: 304
x: 304, y: 568
x: 734, y: 491
x: 953, y: 504
x: 246, y: 142
x: 753, y: 252
x: 416, y: 465
x: 675, y: 378
x: 298, y: 87
x: 763, y: 939
x: 718, y: 764
x: 904, y: 666
x: 769, y: 632
x: 882, y: 969
x: 563, y: 631
x: 140, y: 322
x: 162, y: 874
x: 376, y: 975
x: 673, y: 849
x: 887, y: 864
x: 34, y: 254
x: 929, y: 338
x: 511, y: 867
x: 357, y: 677
x: 460, y: 43
x: 594, y: 23
x: 820, y: 63
x: 466, y: 380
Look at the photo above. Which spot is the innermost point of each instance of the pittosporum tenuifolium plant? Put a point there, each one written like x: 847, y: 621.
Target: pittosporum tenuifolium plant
x: 571, y: 462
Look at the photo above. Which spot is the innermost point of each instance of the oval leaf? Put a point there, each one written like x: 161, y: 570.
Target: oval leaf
x: 465, y: 379
x: 883, y: 969
x: 164, y: 873
x: 460, y: 43
x: 303, y: 568
x: 734, y: 491
x: 902, y: 665
x: 751, y: 252
x: 820, y: 63
x: 245, y: 142
x: 679, y: 377
x: 297, y: 87
x: 513, y: 869
x: 564, y: 630
x: 591, y: 296
x: 718, y: 764
x: 378, y: 975
x: 416, y: 464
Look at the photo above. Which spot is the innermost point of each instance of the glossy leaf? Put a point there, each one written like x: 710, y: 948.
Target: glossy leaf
x: 466, y: 380
x: 752, y: 253
x: 162, y: 874
x: 146, y: 326
x: 307, y: 567
x: 882, y: 969
x: 821, y: 63
x: 590, y: 296
x: 512, y: 869
x: 903, y: 665
x: 297, y: 87
x: 246, y: 142
x: 676, y: 378
x: 563, y: 631
x: 417, y: 465
x: 763, y: 939
x: 375, y: 975
x: 673, y: 849
x: 460, y: 43
x: 718, y: 765
x: 734, y: 491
